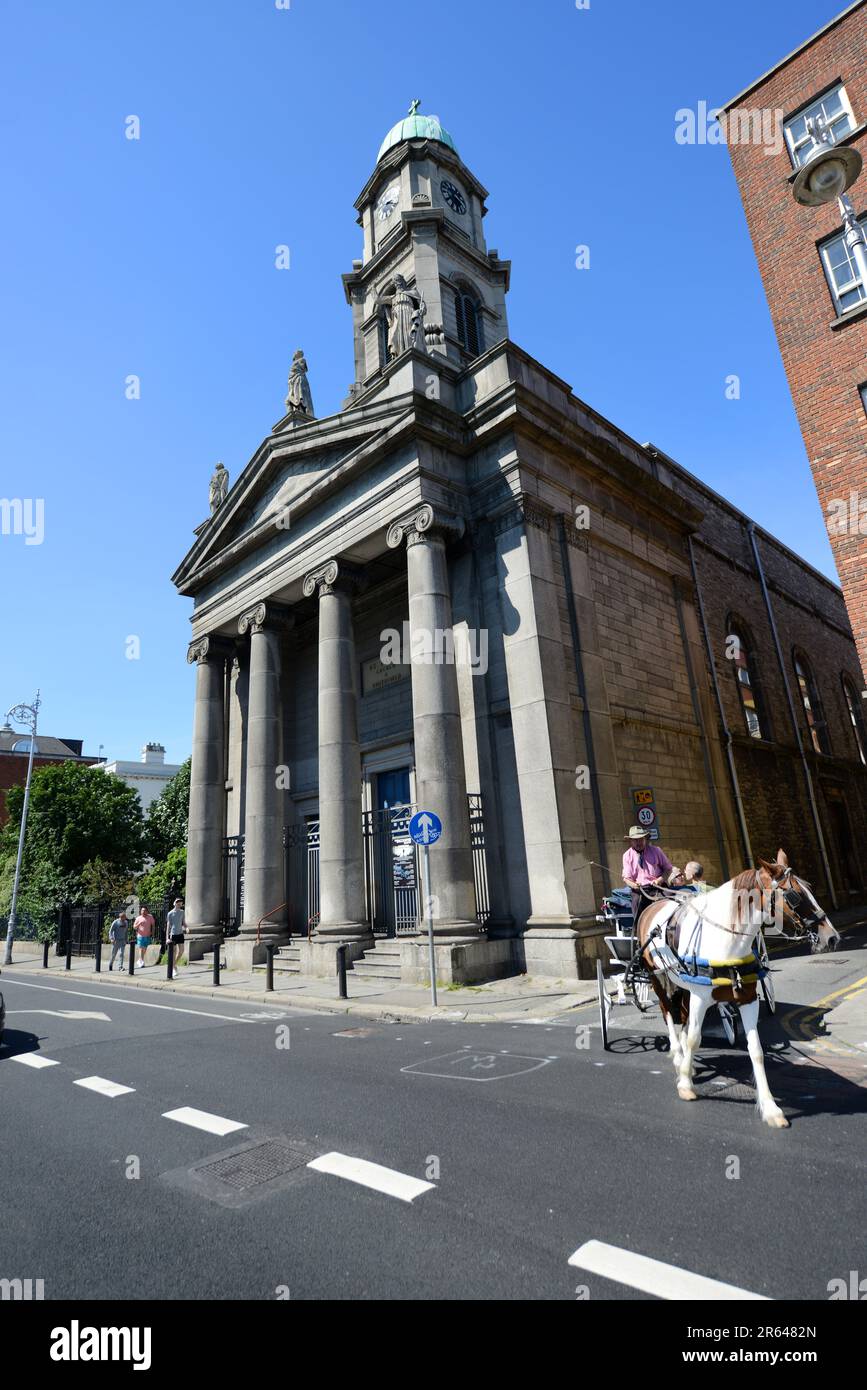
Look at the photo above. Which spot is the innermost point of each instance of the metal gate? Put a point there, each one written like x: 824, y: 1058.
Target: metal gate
x: 391, y: 870
x: 233, y: 885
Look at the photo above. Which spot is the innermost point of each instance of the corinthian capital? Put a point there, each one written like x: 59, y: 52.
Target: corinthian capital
x: 424, y: 522
x: 262, y: 616
x: 332, y: 575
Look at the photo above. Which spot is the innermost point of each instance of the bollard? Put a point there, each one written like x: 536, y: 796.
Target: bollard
x: 69, y: 951
x: 98, y: 954
x: 131, y: 966
x: 341, y: 972
x: 45, y: 946
x: 217, y: 948
x: 269, y: 969
x: 170, y: 951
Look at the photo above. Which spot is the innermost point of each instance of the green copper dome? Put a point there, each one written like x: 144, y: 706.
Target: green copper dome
x: 416, y: 127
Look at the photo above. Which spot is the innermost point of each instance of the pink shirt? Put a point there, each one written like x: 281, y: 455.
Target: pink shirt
x: 655, y: 864
x: 144, y: 924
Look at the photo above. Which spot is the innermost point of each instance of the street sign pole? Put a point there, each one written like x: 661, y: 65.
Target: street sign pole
x: 429, y: 915
x: 425, y: 829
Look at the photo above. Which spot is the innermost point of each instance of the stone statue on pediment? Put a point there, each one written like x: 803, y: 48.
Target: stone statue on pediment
x: 406, y: 310
x: 219, y: 487
x: 299, y: 401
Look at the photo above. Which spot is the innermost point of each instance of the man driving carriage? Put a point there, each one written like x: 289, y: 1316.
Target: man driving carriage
x: 645, y: 866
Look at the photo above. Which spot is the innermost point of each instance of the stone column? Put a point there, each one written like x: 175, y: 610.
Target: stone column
x: 441, y: 784
x: 204, y: 905
x: 264, y: 890
x: 341, y: 849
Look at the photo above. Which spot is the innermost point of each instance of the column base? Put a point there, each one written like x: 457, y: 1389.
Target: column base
x: 460, y: 963
x: 460, y: 932
x: 340, y: 932
x: 319, y: 957
x: 561, y: 952
x: 199, y: 940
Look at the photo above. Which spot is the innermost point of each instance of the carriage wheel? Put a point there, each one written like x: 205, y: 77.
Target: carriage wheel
x: 728, y: 1019
x: 604, y: 1004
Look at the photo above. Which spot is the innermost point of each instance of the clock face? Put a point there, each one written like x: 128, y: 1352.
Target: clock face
x: 454, y: 197
x: 388, y: 202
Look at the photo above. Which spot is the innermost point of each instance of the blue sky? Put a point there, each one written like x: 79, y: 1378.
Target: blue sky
x: 259, y: 126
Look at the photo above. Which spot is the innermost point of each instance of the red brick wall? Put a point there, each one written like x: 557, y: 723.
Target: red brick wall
x: 13, y: 773
x: 824, y: 366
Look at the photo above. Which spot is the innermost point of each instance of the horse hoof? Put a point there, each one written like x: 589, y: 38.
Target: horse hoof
x: 686, y: 1094
x: 776, y: 1120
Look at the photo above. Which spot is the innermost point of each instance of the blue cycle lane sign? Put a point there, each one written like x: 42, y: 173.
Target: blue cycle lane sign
x: 425, y: 828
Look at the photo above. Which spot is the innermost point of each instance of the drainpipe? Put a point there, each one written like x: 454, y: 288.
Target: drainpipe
x: 727, y: 734
x: 696, y: 709
x: 751, y: 531
x: 582, y: 691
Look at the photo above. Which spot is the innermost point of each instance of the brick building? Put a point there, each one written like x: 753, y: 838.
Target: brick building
x: 816, y: 293
x: 628, y: 642
x: 15, y: 752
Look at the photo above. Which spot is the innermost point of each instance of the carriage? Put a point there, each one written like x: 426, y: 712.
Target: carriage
x: 631, y: 976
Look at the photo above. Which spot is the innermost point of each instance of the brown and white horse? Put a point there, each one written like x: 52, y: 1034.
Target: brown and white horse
x: 705, y: 955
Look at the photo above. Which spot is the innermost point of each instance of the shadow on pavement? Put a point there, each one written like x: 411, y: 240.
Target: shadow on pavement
x: 16, y: 1041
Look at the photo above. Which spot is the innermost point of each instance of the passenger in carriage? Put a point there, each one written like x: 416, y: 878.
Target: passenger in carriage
x: 645, y: 866
x: 694, y: 875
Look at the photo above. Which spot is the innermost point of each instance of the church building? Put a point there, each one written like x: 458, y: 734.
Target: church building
x: 469, y: 593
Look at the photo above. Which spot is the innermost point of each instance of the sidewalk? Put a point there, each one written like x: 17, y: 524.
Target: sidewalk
x: 519, y: 999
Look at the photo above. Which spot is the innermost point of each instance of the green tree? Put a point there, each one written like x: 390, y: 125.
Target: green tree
x: 83, y: 823
x: 166, y: 826
x: 160, y: 879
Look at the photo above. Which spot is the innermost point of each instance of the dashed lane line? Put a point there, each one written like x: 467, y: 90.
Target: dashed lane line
x: 201, y: 1119
x: 103, y: 1086
x: 32, y: 1059
x: 655, y: 1277
x: 373, y: 1175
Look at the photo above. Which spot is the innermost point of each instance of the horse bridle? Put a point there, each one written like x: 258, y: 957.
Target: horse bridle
x: 806, y: 924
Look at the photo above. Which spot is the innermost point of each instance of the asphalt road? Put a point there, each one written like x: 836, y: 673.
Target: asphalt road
x: 534, y: 1140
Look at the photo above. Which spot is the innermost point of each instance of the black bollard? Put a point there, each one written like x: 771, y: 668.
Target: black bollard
x: 217, y: 948
x: 45, y: 946
x: 170, y: 951
x: 97, y: 952
x: 341, y: 972
x: 269, y: 967
x: 131, y: 966
x: 69, y: 951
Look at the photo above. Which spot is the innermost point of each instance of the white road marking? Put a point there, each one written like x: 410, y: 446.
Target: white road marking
x: 61, y: 1013
x: 200, y: 1119
x: 103, y: 1086
x: 654, y: 1277
x: 133, y: 1003
x: 32, y: 1059
x: 386, y: 1180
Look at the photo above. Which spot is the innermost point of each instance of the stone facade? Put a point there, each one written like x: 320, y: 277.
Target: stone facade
x: 824, y: 352
x: 469, y: 592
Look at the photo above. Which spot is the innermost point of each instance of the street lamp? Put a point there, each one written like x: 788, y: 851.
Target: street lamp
x: 828, y: 172
x: 28, y: 715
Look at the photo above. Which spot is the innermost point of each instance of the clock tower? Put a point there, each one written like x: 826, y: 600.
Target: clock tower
x: 426, y: 280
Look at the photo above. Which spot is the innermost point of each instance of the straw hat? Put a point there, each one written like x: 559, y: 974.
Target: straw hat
x: 636, y: 833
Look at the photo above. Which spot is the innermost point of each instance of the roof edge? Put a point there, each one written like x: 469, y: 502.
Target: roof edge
x: 832, y: 23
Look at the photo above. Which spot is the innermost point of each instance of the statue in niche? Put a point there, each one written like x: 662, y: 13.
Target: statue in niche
x: 299, y: 400
x: 219, y: 487
x: 406, y: 311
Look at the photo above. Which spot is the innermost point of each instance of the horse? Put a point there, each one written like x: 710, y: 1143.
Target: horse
x: 703, y: 951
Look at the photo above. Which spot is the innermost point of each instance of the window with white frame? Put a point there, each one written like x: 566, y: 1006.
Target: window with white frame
x: 846, y: 284
x: 836, y: 112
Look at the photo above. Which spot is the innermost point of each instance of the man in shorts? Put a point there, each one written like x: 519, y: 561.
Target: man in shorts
x: 144, y: 931
x: 175, y: 924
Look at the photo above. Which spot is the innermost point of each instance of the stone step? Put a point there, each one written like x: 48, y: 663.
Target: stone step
x: 376, y: 970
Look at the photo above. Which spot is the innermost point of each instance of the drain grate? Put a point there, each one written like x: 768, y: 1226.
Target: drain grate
x: 256, y: 1165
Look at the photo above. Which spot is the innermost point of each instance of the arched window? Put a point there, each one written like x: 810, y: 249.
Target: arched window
x: 469, y: 322
x: 813, y: 713
x: 21, y: 745
x: 854, y: 705
x: 382, y: 329
x: 739, y: 652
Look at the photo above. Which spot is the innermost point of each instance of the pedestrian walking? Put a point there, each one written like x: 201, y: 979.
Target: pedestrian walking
x: 117, y: 936
x: 175, y: 923
x: 144, y: 931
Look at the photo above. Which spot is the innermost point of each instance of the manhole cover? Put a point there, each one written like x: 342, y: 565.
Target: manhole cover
x: 260, y: 1164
